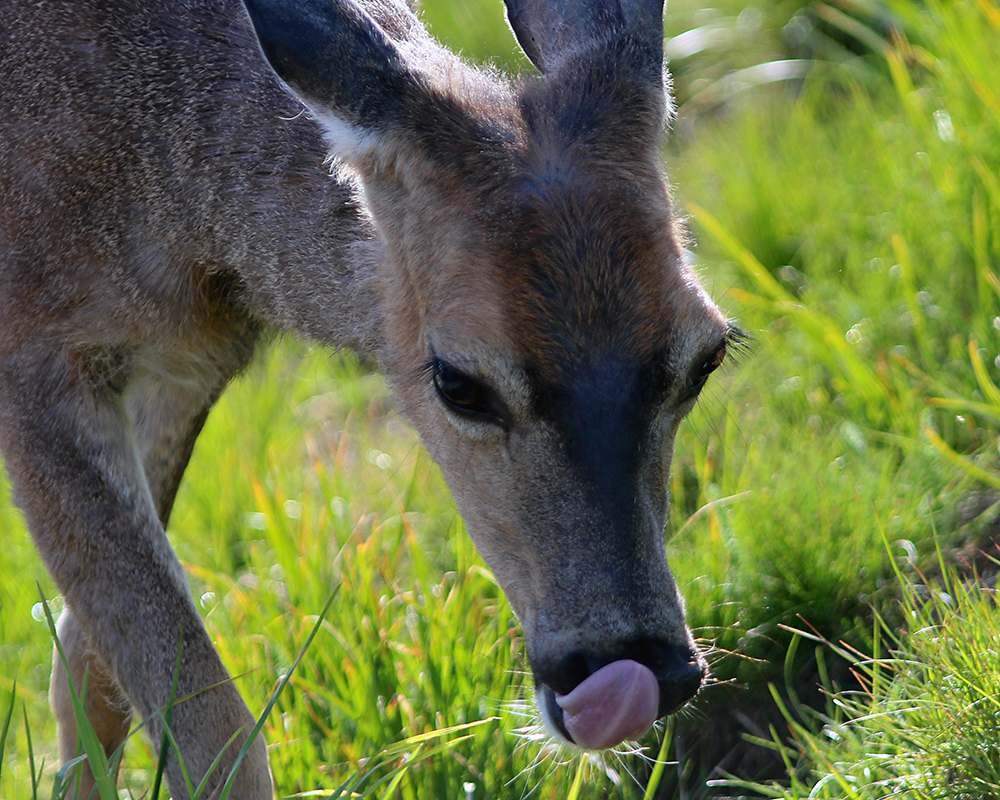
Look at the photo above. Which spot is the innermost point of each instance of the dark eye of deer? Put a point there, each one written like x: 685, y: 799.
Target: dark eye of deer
x: 701, y: 373
x: 463, y: 394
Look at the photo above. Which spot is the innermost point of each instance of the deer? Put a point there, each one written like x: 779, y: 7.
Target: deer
x: 180, y: 182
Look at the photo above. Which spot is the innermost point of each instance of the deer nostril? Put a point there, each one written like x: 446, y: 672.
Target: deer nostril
x: 568, y: 672
x: 680, y: 682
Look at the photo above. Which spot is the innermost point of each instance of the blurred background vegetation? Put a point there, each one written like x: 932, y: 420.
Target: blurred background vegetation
x: 834, y: 493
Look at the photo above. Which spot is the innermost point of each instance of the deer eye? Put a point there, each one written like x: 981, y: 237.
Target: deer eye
x: 465, y: 395
x: 700, y: 374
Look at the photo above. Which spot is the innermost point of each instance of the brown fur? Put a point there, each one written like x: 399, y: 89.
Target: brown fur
x: 165, y: 204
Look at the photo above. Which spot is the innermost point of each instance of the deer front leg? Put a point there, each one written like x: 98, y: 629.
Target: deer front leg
x: 166, y: 417
x: 67, y: 442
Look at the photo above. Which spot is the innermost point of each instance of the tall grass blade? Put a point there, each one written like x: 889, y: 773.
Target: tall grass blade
x: 851, y: 26
x: 420, y: 738
x: 215, y: 764
x: 991, y: 12
x: 990, y: 181
x: 188, y: 783
x: 574, y: 791
x: 820, y: 328
x: 6, y: 724
x: 895, y: 59
x: 64, y: 778
x: 743, y: 257
x: 902, y: 251
x: 31, y: 755
x: 969, y: 406
x: 980, y: 248
x: 413, y: 760
x: 661, y: 761
x: 410, y: 752
x: 990, y: 390
x: 963, y: 463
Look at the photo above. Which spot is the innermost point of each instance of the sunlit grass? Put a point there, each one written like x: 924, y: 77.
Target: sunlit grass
x: 922, y: 724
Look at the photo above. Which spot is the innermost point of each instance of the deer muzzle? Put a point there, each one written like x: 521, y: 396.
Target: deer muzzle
x: 620, y: 700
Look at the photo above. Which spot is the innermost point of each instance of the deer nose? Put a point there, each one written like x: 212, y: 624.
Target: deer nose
x: 599, y: 700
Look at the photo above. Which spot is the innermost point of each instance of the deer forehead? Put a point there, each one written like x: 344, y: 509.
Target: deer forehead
x: 573, y: 291
x: 597, y: 265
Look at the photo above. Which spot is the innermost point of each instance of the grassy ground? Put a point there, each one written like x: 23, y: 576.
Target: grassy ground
x: 851, y: 221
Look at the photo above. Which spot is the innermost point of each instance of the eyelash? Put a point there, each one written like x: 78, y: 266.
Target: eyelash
x: 735, y: 339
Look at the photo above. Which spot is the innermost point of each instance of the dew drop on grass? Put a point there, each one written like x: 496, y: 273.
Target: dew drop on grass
x: 853, y: 436
x: 339, y: 507
x: 208, y: 599
x: 792, y: 384
x: 256, y: 520
x: 381, y: 460
x: 798, y: 29
x: 943, y: 125
x: 55, y: 607
x: 293, y: 509
x: 910, y: 549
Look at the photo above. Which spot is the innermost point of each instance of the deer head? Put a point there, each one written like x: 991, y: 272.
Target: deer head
x: 540, y: 324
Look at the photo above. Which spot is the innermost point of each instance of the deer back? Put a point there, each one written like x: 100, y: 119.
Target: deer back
x: 156, y: 175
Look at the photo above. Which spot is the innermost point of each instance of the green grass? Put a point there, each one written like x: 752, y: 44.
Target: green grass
x: 860, y: 229
x: 853, y: 225
x: 922, y: 724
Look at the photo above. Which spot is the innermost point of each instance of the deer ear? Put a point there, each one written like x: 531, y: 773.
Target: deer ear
x: 549, y: 30
x: 342, y: 63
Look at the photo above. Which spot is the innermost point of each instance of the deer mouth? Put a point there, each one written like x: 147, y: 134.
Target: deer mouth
x: 617, y: 703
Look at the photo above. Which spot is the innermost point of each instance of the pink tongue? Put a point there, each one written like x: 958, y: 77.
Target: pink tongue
x: 616, y: 703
